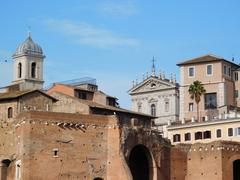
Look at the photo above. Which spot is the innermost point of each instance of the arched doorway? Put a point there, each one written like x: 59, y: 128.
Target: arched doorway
x: 98, y: 178
x: 140, y: 163
x: 236, y: 169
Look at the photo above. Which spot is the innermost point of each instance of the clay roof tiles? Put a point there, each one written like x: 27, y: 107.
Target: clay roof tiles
x: 93, y: 104
x: 17, y: 94
x: 204, y: 59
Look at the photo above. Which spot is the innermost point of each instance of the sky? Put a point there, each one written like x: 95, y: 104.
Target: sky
x: 114, y: 41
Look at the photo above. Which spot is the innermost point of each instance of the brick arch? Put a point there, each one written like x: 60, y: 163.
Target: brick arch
x: 145, y: 154
x: 228, y: 171
x: 155, y: 144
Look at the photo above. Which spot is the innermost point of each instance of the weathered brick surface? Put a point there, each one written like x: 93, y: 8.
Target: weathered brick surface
x: 212, y: 161
x: 33, y: 101
x: 88, y: 146
x: 92, y: 151
x: 99, y: 146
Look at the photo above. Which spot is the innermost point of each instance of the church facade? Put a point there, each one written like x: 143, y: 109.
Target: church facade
x: 157, y: 96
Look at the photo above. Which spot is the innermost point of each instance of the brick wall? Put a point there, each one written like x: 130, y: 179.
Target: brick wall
x: 204, y: 161
x: 88, y: 146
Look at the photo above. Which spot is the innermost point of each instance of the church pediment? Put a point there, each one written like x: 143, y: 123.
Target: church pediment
x: 152, y: 84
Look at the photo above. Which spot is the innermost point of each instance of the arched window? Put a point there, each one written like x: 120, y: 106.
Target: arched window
x: 19, y: 70
x: 153, y: 110
x: 98, y: 178
x: 33, y: 74
x: 10, y: 112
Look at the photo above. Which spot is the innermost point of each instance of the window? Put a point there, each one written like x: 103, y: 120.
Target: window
x: 55, y: 152
x: 236, y: 93
x: 139, y: 107
x: 229, y: 71
x: 198, y: 135
x: 209, y: 69
x: 33, y: 70
x: 176, y: 138
x: 237, y: 131
x: 153, y: 85
x: 190, y: 107
x: 191, y: 72
x: 230, y: 131
x: 47, y: 107
x: 10, y: 112
x: 111, y: 101
x: 134, y: 122
x: 210, y: 100
x: 19, y: 70
x: 18, y: 170
x: 219, y: 133
x: 225, y: 69
x: 236, y: 76
x: 187, y: 137
x: 82, y: 95
x: 166, y: 106
x: 207, y: 135
x: 153, y: 110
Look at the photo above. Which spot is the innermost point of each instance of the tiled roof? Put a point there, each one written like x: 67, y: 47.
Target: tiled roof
x: 117, y: 109
x: 203, y: 59
x: 17, y: 94
x: 93, y: 104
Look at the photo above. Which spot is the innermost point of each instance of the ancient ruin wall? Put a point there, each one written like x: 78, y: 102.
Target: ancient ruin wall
x: 204, y: 161
x: 87, y: 146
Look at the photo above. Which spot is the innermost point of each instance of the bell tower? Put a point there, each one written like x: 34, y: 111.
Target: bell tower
x: 28, y: 65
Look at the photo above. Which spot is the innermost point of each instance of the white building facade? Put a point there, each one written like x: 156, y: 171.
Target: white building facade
x: 158, y: 97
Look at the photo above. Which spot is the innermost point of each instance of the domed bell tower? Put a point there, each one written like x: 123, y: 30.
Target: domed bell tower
x: 28, y: 65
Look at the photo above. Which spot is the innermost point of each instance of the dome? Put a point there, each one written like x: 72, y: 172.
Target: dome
x: 28, y: 47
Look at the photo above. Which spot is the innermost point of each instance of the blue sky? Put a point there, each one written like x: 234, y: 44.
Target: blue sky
x: 114, y: 41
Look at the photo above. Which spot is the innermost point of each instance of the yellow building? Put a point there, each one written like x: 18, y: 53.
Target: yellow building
x: 220, y: 79
x: 218, y: 108
x: 205, y: 132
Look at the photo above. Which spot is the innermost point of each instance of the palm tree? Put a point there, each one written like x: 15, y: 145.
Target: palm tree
x: 196, y: 90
